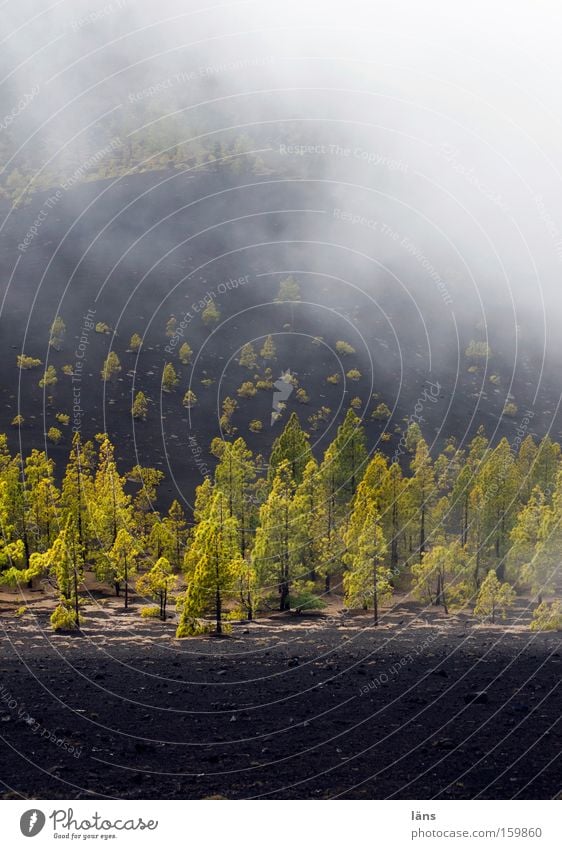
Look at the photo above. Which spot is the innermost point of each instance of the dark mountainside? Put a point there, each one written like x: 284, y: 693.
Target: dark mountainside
x: 140, y: 249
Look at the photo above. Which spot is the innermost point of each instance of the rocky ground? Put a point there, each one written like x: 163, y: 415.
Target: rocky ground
x: 323, y: 706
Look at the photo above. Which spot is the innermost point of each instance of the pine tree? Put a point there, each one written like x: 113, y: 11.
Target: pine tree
x: 135, y: 343
x: 368, y: 578
x: 189, y: 399
x: 493, y: 598
x: 247, y: 586
x: 234, y: 476
x: 422, y: 491
x: 140, y: 407
x: 247, y: 357
x: 41, y: 499
x: 349, y: 456
x: 476, y: 542
x: 526, y: 535
x: 110, y: 507
x: 169, y: 378
x: 464, y: 481
x: 77, y: 493
x: 145, y: 497
x: 121, y: 559
x: 540, y: 521
x: 176, y: 525
x: 292, y: 446
x: 58, y: 329
x: 498, y: 478
x: 275, y: 549
x: 268, y: 350
x: 547, y: 464
x: 171, y: 325
x: 111, y: 367
x: 158, y: 583
x: 309, y: 509
x: 441, y: 577
x: 211, y: 314
x: 65, y: 562
x: 185, y: 354
x: 49, y: 377
x: 394, y: 512
x: 289, y: 290
x: 212, y: 563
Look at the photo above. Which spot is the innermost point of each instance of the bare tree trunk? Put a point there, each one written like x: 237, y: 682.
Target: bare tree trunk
x: 218, y: 610
x: 375, y: 594
x: 76, y: 604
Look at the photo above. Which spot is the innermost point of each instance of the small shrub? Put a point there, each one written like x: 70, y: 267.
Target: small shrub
x: 49, y: 378
x: 256, y: 426
x: 17, y: 421
x: 139, y: 409
x: 302, y: 396
x: 478, y: 350
x: 63, y: 618
x: 185, y: 354
x: 54, y: 435
x: 510, y: 409
x: 169, y: 378
x: 344, y: 348
x: 189, y: 399
x: 211, y: 314
x: 135, y: 342
x: 68, y: 370
x: 547, y: 617
x: 58, y: 329
x: 192, y: 628
x: 62, y: 418
x: 353, y: 374
x: 111, y: 366
x: 150, y: 612
x: 102, y: 327
x: 381, y: 413
x: 334, y: 378
x: 247, y: 390
x: 171, y: 326
x: 26, y: 363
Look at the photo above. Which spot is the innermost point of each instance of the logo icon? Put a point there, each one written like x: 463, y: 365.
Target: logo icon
x: 32, y: 822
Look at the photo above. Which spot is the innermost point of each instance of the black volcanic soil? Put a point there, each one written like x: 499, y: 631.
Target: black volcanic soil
x: 313, y: 707
x: 151, y: 245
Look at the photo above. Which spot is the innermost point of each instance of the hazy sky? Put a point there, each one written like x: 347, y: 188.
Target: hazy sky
x: 450, y: 112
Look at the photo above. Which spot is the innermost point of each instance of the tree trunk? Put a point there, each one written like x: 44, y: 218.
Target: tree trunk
x: 76, y: 605
x: 126, y: 585
x: 394, y: 543
x: 438, y: 594
x: 422, y: 534
x: 327, y: 584
x: 117, y: 588
x: 375, y: 594
x: 284, y: 596
x: 218, y: 610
